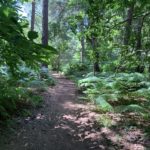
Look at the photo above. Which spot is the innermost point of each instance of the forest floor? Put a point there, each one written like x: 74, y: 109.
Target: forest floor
x: 66, y: 123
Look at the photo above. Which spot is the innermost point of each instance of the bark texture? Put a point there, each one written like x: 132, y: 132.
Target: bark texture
x: 45, y: 23
x: 33, y: 16
x: 45, y: 26
x: 128, y: 25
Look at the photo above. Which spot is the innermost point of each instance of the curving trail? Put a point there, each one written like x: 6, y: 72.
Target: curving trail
x: 58, y: 125
x: 63, y: 123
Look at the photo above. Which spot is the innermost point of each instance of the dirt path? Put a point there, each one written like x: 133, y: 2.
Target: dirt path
x: 63, y: 123
x: 56, y: 126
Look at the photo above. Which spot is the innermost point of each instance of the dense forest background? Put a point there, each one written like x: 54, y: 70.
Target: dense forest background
x: 109, y: 35
x: 103, y: 46
x: 104, y: 43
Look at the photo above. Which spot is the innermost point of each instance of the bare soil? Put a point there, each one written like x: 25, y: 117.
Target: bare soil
x: 65, y: 123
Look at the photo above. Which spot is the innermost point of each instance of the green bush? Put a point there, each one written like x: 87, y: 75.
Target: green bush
x: 46, y: 77
x: 14, y: 98
x: 50, y: 81
x: 108, y: 91
x: 75, y: 69
x: 17, y: 93
x: 44, y: 73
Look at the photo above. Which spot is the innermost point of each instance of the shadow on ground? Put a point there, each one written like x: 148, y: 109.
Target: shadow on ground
x: 65, y: 123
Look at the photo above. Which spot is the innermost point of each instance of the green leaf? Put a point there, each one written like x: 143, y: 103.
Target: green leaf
x: 134, y: 108
x: 32, y: 35
x: 103, y: 104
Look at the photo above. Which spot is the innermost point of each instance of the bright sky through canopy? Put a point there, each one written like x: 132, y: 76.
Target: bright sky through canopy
x: 24, y: 10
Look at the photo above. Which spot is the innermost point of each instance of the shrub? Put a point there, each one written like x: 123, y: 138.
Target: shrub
x: 75, y: 69
x: 109, y: 91
x: 14, y: 98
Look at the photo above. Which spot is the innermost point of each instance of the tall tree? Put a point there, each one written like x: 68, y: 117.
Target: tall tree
x: 82, y: 53
x: 128, y: 24
x: 45, y: 24
x: 33, y: 16
x: 94, y: 21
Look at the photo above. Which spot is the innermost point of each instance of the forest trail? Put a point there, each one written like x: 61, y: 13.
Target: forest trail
x: 63, y: 123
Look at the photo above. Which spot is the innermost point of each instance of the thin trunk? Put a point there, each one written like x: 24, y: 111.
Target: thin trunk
x: 96, y: 67
x: 139, y: 31
x: 128, y: 25
x: 82, y: 44
x: 140, y: 67
x: 82, y: 49
x: 139, y: 34
x: 33, y: 16
x: 58, y: 63
x: 45, y: 25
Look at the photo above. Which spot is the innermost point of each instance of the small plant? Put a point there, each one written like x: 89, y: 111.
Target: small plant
x: 50, y: 81
x: 75, y: 68
x: 130, y: 92
x: 14, y: 100
x: 105, y: 120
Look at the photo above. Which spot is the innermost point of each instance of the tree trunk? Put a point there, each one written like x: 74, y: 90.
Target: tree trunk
x: 139, y: 34
x: 82, y: 43
x: 33, y: 16
x: 140, y: 67
x: 45, y: 25
x: 128, y: 25
x: 96, y: 67
x: 82, y: 49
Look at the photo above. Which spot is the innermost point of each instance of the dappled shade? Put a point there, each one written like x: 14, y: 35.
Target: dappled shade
x: 65, y: 122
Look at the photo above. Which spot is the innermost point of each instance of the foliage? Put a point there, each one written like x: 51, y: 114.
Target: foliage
x: 16, y: 48
x: 105, y: 120
x: 13, y: 99
x: 75, y: 68
x: 16, y: 95
x: 122, y: 91
x: 111, y: 37
x: 103, y: 104
x: 46, y: 77
x: 19, y: 54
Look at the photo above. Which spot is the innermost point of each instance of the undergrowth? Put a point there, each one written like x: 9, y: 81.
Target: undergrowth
x: 118, y: 93
x: 19, y: 94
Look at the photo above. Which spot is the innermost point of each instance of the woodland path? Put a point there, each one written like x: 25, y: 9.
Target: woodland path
x: 63, y: 123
